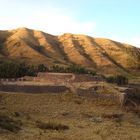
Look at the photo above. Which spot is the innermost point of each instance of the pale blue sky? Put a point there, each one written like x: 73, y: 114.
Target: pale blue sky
x: 114, y: 19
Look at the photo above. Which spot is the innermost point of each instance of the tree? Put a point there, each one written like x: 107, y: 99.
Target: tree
x: 42, y: 68
x: 118, y: 79
x: 12, y: 69
x: 121, y: 80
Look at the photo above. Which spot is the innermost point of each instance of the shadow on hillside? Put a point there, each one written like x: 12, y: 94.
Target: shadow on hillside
x: 82, y: 51
x: 105, y: 54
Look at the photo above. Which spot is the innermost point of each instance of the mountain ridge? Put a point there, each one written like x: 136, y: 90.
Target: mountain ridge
x: 100, y: 54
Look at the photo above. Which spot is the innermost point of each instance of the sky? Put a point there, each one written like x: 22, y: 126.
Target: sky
x: 114, y: 19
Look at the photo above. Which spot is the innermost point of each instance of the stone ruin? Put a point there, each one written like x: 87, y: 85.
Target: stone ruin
x: 44, y: 83
x: 67, y: 77
x: 34, y: 88
x: 56, y: 78
x: 60, y: 82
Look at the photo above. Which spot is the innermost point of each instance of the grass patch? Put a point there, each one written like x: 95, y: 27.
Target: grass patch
x: 9, y: 124
x: 118, y: 118
x: 113, y: 116
x: 52, y: 126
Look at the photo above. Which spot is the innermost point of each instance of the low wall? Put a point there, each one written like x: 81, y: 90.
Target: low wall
x: 91, y: 93
x: 25, y: 78
x: 126, y: 97
x: 34, y: 89
x: 55, y: 78
x: 67, y: 77
x: 86, y: 78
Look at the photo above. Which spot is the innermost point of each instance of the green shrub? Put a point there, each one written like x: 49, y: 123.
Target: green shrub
x: 42, y: 68
x: 93, y: 73
x: 110, y: 79
x: 40, y: 48
x: 76, y: 69
x: 57, y: 68
x: 11, y: 69
x: 119, y: 79
x: 71, y: 69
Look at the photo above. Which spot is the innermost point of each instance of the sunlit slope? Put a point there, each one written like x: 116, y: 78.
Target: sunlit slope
x: 103, y: 55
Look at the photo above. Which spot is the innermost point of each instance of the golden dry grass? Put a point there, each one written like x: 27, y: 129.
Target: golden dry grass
x: 104, y: 55
x: 86, y: 118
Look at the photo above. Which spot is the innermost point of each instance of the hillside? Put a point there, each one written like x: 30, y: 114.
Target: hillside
x: 65, y: 117
x: 35, y: 47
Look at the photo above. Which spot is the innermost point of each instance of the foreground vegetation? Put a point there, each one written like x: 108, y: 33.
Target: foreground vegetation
x: 65, y: 117
x: 51, y: 126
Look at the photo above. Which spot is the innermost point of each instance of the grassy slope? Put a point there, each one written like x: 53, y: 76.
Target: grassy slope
x: 86, y: 118
x: 103, y: 55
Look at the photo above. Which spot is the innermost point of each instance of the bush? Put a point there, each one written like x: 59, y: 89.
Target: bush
x: 57, y: 68
x: 9, y: 124
x: 119, y: 79
x: 110, y: 79
x: 71, y: 69
x: 52, y: 126
x: 76, y: 69
x: 42, y: 68
x: 93, y: 73
x: 40, y: 48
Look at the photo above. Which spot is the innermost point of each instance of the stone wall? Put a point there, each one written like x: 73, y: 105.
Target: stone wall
x: 86, y: 78
x: 25, y: 78
x: 56, y: 78
x: 34, y: 88
x: 68, y: 77
x: 126, y: 97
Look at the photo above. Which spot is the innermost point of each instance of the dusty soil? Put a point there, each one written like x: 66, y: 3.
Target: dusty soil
x: 85, y: 118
